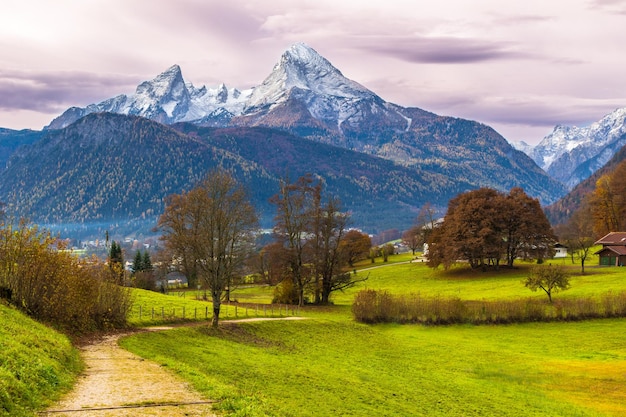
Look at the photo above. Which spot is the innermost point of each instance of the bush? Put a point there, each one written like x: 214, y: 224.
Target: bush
x: 50, y: 284
x: 372, y: 306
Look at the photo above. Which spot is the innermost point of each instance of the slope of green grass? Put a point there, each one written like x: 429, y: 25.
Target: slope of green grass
x: 400, y: 277
x: 37, y: 364
x: 337, y: 367
x: 152, y: 308
x: 330, y: 365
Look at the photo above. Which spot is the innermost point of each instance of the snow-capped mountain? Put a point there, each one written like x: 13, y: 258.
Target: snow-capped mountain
x: 167, y: 99
x: 522, y: 146
x: 304, y: 91
x: 305, y: 95
x: 571, y: 154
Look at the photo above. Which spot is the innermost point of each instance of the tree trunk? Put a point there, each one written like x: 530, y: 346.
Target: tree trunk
x: 216, y: 311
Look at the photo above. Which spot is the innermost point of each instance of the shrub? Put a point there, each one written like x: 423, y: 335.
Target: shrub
x: 371, y: 306
x: 51, y: 284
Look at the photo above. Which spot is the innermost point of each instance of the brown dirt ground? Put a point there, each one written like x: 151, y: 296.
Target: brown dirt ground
x: 119, y: 383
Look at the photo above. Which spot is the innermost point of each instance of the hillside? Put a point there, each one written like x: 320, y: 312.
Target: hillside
x: 11, y: 140
x: 110, y: 168
x: 114, y: 169
x: 560, y: 211
x: 36, y: 364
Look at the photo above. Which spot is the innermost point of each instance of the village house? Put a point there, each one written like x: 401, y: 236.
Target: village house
x: 560, y: 251
x: 613, y: 252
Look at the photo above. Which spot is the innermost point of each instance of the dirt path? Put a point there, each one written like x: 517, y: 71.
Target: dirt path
x: 119, y: 383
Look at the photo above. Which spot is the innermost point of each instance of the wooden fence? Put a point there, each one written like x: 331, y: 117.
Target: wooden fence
x: 227, y: 311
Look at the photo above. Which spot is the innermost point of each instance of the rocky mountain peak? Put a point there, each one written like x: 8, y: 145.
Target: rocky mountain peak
x: 301, y: 68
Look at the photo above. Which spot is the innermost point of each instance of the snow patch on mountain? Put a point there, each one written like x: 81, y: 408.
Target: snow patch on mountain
x: 567, y: 148
x: 168, y: 99
x: 301, y: 70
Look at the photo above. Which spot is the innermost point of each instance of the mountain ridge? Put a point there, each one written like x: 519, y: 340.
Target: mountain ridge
x: 571, y: 154
x: 415, y: 156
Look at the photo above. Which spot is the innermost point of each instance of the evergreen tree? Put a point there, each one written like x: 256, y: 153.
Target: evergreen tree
x: 146, y: 262
x: 137, y: 263
x: 116, y: 262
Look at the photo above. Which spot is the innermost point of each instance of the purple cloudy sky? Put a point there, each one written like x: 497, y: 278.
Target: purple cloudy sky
x: 521, y: 67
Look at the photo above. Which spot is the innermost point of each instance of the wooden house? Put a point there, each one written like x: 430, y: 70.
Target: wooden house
x: 613, y: 252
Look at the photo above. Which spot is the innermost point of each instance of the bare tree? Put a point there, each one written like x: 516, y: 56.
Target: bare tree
x: 310, y: 232
x: 329, y: 230
x: 295, y: 206
x: 578, y: 234
x: 212, y: 227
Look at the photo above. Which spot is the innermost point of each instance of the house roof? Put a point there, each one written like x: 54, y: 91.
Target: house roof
x: 618, y: 250
x: 613, y: 238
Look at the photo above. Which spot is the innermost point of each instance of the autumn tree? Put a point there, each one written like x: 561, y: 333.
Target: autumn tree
x: 212, y: 228
x: 608, y: 202
x: 550, y: 279
x: 528, y: 231
x: 270, y: 263
x: 295, y: 206
x: 413, y: 238
x: 484, y: 227
x: 310, y: 228
x: 46, y: 281
x: 355, y: 246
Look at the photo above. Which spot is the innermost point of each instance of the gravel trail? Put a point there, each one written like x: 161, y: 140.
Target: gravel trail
x: 119, y: 383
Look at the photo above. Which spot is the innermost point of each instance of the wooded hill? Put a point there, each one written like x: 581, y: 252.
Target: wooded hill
x: 560, y: 211
x: 116, y: 168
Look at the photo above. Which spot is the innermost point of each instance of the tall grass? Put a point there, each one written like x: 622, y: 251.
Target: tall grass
x: 371, y: 306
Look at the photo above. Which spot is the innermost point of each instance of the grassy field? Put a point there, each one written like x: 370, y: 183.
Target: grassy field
x: 401, y: 277
x: 37, y: 364
x: 152, y: 308
x: 321, y: 367
x: 330, y: 365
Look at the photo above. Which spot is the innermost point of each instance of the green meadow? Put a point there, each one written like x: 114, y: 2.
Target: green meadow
x: 327, y: 364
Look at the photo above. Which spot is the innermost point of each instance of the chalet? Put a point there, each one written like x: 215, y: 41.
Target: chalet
x: 613, y: 252
x: 560, y: 251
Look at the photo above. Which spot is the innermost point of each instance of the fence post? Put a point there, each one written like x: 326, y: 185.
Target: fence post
x: 206, y: 313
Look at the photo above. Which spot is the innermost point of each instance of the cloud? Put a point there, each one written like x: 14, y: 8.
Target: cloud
x: 609, y: 6
x: 54, y: 91
x: 444, y: 50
